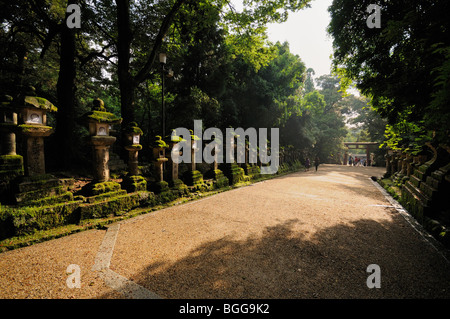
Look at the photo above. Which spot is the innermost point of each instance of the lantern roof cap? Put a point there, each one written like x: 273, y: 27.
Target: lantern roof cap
x: 133, y: 128
x: 27, y: 98
x: 159, y: 142
x: 99, y: 114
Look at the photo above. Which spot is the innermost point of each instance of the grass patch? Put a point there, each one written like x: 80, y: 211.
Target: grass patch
x: 391, y: 187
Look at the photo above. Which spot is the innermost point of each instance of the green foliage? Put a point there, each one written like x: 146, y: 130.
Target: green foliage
x: 226, y: 72
x: 114, y: 206
x: 402, y: 67
x: 103, y: 187
x: 27, y: 220
x: 406, y: 136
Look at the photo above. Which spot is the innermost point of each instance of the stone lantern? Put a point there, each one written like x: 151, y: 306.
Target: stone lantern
x: 34, y: 128
x: 132, y: 182
x: 175, y: 153
x: 8, y: 125
x: 194, y: 149
x: 99, y: 121
x: 132, y: 137
x: 11, y: 164
x: 389, y: 160
x: 159, y: 156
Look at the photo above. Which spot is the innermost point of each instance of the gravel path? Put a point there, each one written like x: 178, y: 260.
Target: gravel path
x: 304, y: 235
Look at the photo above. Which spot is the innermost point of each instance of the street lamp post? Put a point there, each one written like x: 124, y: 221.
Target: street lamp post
x: 162, y: 60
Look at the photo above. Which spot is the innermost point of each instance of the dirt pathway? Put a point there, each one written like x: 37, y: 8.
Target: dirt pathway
x: 304, y: 235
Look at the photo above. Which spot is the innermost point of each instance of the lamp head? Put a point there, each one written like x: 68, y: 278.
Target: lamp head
x: 162, y: 58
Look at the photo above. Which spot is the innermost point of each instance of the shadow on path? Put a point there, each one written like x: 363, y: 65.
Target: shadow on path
x: 283, y: 263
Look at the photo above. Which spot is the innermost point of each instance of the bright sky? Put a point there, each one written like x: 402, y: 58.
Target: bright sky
x: 307, y: 36
x: 305, y: 31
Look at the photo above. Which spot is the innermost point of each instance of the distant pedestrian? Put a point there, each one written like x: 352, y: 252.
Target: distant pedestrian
x: 307, y: 164
x: 316, y: 162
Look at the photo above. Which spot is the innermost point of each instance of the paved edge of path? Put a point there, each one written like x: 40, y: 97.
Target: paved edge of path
x: 433, y: 242
x: 132, y: 290
x: 128, y: 288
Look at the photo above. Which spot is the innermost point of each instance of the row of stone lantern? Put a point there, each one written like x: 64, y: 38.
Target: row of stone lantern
x: 27, y: 115
x: 98, y: 121
x: 33, y: 126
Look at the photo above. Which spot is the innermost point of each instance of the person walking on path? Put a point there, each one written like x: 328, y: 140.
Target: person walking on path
x: 307, y: 164
x: 316, y: 162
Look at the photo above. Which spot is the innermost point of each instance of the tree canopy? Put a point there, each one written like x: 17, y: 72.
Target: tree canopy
x: 225, y: 71
x: 403, y: 66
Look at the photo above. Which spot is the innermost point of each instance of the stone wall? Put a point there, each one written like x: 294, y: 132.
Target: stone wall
x: 425, y: 187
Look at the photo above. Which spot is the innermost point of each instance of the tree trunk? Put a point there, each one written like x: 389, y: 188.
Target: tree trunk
x: 64, y: 134
x: 126, y: 83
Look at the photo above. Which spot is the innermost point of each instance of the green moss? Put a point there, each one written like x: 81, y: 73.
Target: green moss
x: 179, y: 188
x: 177, y: 139
x: 34, y: 195
x: 34, y: 128
x: 234, y: 173
x: 11, y: 160
x: 112, y: 207
x: 37, y: 178
x: 27, y: 220
x: 103, y: 117
x: 159, y: 143
x: 61, y: 198
x: 134, y: 184
x: 101, y: 188
x: 105, y: 196
x: 252, y: 171
x: 28, y: 183
x: 134, y: 147
x: 132, y: 128
x: 159, y: 187
x: 11, y: 174
x: 193, y: 178
x: 40, y: 103
x: 167, y: 196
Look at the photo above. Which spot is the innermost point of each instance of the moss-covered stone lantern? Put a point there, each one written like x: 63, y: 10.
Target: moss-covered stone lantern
x: 159, y: 156
x: 133, y: 182
x: 8, y: 125
x: 99, y: 121
x: 33, y: 111
x: 194, y: 149
x: 132, y: 137
x: 11, y: 164
x: 194, y: 177
x: 175, y: 153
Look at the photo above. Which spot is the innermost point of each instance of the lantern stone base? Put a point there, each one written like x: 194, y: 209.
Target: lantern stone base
x: 114, y: 205
x: 42, y: 190
x: 8, y: 138
x: 11, y: 167
x: 179, y: 187
x: 253, y: 171
x: 220, y: 180
x: 34, y: 149
x: 99, y: 188
x: 134, y: 183
x: 193, y: 178
x: 160, y: 187
x: 233, y: 172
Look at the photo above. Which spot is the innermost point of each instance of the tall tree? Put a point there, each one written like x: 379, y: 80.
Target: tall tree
x: 403, y: 65
x: 65, y: 90
x: 253, y: 18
